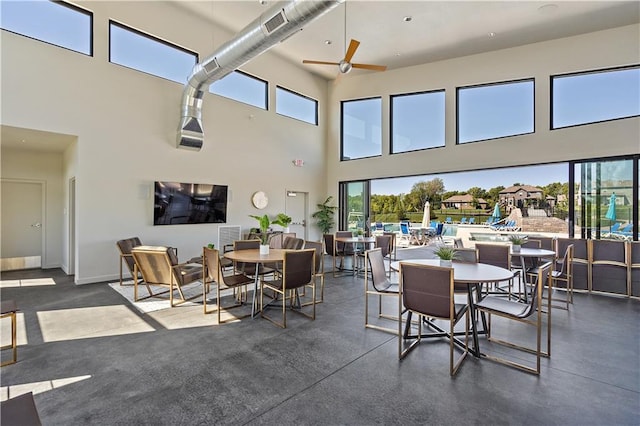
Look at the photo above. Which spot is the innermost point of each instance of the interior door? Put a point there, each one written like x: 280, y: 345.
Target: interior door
x: 21, y: 218
x: 296, y: 207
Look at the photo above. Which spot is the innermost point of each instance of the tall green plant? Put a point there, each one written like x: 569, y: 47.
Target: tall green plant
x: 265, y: 222
x: 324, y: 215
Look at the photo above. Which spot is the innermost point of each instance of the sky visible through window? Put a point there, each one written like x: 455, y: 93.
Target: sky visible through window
x: 296, y: 106
x: 418, y: 121
x: 242, y: 88
x: 361, y: 128
x: 48, y: 21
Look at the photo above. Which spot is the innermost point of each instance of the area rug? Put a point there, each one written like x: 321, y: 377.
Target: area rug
x: 157, y: 303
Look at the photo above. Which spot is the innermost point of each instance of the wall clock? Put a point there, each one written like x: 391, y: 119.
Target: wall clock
x: 260, y: 200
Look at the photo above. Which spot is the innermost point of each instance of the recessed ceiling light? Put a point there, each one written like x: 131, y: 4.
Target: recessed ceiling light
x: 407, y: 19
x: 491, y: 34
x: 398, y: 53
x: 327, y: 42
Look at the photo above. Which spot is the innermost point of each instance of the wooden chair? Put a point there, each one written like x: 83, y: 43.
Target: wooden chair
x: 159, y: 266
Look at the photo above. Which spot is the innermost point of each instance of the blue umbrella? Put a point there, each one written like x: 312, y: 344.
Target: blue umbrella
x: 611, y: 212
x: 496, y: 214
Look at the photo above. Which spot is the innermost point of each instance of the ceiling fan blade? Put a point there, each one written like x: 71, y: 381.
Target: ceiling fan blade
x: 370, y: 67
x: 353, y: 45
x: 306, y: 61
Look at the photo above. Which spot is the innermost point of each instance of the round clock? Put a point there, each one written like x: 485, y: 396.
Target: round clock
x: 260, y: 200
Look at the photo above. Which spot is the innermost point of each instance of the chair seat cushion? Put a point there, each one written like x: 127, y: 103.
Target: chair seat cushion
x: 502, y: 305
x: 191, y: 272
x: 236, y: 280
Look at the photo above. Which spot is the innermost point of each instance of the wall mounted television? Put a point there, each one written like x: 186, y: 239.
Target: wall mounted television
x: 178, y: 203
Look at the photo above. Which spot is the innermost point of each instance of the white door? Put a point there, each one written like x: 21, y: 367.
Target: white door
x: 21, y: 219
x: 296, y: 207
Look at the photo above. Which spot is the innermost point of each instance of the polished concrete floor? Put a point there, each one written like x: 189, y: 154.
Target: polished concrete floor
x: 91, y: 358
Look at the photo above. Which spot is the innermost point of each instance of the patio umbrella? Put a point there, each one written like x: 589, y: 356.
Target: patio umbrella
x: 426, y: 216
x: 611, y: 212
x: 495, y: 216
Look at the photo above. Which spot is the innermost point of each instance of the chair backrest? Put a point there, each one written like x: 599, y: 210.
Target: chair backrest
x: 466, y: 255
x: 319, y: 248
x: 328, y: 244
x: 244, y: 245
x: 427, y: 289
x: 494, y: 254
x: 457, y: 243
x: 544, y: 280
x: 472, y: 220
x: 125, y: 246
x: 293, y: 243
x: 379, y: 278
x: 392, y: 244
x: 212, y: 270
x: 404, y: 228
x: 298, y: 267
x: 567, y: 263
x: 343, y: 248
x: 156, y: 263
x: 439, y: 229
x: 379, y: 226
x: 531, y: 243
x: 384, y: 243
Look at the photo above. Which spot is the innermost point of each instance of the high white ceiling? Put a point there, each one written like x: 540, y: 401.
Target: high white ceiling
x: 437, y: 30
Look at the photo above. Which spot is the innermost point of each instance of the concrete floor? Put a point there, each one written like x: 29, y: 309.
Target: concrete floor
x: 91, y: 358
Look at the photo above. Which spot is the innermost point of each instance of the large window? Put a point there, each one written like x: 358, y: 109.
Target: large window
x: 143, y: 52
x: 296, y: 106
x: 361, y: 128
x: 495, y: 110
x: 242, y: 87
x: 56, y: 23
x: 594, y: 96
x: 417, y: 121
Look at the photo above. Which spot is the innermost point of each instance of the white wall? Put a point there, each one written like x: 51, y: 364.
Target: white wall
x: 126, y: 123
x: 612, y: 48
x: 46, y: 167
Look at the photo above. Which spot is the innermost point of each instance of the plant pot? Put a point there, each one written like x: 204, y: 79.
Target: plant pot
x: 516, y: 248
x: 264, y: 249
x: 445, y: 263
x: 286, y: 230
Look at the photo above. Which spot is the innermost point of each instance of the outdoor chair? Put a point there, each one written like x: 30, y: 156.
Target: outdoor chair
x: 463, y: 221
x: 428, y: 291
x: 527, y: 313
x: 472, y: 221
x: 376, y: 283
x: 297, y: 273
x: 212, y: 273
x: 159, y: 267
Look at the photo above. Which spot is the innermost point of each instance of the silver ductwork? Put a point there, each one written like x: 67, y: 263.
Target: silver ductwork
x: 272, y: 27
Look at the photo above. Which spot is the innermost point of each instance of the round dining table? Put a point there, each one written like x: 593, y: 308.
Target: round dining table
x: 354, y: 241
x: 472, y: 274
x: 254, y: 256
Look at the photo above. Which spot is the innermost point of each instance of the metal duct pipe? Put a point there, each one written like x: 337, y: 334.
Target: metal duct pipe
x: 272, y: 27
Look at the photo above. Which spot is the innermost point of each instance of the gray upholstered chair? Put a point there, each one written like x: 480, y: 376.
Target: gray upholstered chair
x: 496, y: 255
x: 319, y: 267
x: 428, y: 291
x: 159, y: 266
x: 297, y: 273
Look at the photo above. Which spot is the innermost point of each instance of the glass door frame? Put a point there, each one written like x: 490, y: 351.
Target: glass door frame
x: 345, y: 208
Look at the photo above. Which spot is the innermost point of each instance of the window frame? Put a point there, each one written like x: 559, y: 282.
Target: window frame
x: 342, y: 103
x: 579, y: 73
x: 497, y: 83
x: 113, y: 22
x: 246, y: 74
x: 75, y: 8
x: 315, y: 102
x: 425, y: 92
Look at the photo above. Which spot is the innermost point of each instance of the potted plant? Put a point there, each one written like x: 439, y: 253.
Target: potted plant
x: 359, y: 233
x: 446, y: 255
x: 517, y: 241
x: 283, y: 220
x: 264, y: 223
x: 324, y: 215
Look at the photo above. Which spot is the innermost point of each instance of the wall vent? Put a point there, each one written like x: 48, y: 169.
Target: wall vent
x: 276, y: 22
x: 227, y: 235
x: 211, y: 66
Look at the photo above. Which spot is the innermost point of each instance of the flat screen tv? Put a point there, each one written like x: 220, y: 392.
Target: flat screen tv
x: 185, y: 203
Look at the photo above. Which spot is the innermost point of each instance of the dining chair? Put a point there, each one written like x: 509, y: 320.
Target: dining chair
x: 9, y: 309
x: 392, y: 246
x: 298, y: 272
x: 428, y: 291
x: 377, y: 283
x: 341, y: 249
x: 527, y: 313
x: 561, y: 277
x: 497, y: 255
x: 212, y: 273
x: 466, y: 255
x: 318, y: 271
x: 248, y: 268
x: 124, y: 248
x: 530, y: 265
x: 159, y: 266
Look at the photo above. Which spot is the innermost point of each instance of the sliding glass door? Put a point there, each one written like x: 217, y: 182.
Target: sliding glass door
x: 354, y: 206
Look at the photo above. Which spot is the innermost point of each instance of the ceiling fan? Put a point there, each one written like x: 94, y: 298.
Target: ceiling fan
x: 345, y: 65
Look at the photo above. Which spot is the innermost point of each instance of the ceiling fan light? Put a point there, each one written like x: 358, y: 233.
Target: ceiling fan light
x: 344, y: 67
